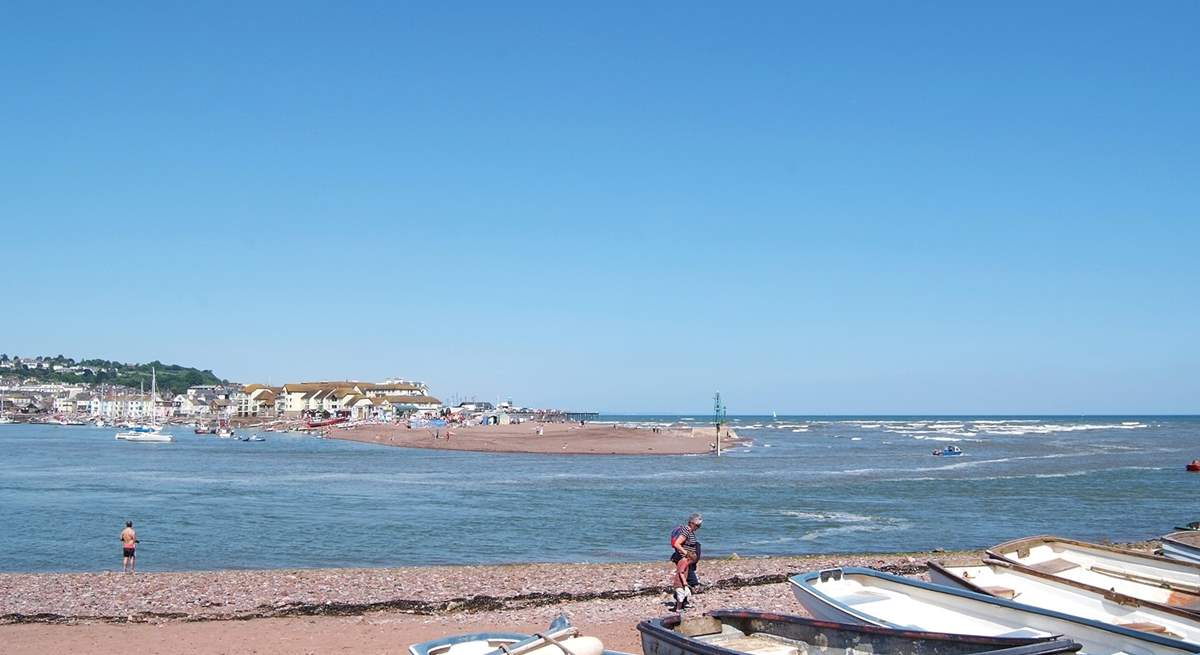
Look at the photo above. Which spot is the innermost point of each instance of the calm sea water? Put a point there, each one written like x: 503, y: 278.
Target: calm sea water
x: 807, y: 485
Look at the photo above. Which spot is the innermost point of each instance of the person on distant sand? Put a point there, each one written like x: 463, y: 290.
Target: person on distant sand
x: 129, y: 543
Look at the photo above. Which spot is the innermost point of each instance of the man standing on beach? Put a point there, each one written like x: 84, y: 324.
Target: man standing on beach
x: 687, y: 553
x: 129, y: 542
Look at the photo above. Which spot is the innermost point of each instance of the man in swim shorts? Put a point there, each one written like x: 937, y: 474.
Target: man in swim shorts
x: 129, y: 542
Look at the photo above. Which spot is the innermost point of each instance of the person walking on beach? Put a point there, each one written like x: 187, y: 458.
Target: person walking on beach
x: 129, y: 543
x: 687, y: 553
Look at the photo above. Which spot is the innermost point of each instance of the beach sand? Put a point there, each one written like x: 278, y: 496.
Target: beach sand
x: 375, y: 610
x: 560, y: 438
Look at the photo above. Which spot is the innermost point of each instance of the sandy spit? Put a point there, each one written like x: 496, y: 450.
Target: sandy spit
x: 555, y: 438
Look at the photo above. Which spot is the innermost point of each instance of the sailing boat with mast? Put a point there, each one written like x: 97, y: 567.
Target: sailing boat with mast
x: 152, y: 431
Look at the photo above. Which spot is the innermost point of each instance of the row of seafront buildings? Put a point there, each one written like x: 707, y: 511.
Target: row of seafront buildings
x: 380, y: 401
x: 384, y: 401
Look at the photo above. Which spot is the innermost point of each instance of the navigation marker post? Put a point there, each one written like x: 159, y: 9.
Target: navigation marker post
x: 718, y: 418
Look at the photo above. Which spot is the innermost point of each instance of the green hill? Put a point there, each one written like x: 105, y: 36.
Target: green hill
x: 172, y: 378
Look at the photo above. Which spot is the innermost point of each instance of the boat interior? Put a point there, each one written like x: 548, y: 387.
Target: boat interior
x: 916, y: 608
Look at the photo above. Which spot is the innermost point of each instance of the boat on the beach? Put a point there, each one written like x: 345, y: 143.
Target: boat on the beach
x: 949, y: 451
x: 1183, y: 546
x: 327, y: 422
x: 1141, y: 575
x: 559, y: 639
x: 730, y: 632
x: 866, y: 596
x: 1005, y: 580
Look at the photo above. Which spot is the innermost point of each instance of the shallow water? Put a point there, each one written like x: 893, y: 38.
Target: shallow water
x: 806, y: 485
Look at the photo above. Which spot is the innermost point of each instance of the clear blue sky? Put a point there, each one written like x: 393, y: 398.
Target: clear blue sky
x: 841, y: 207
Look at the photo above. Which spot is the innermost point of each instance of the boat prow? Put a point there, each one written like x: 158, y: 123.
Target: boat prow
x: 1183, y: 546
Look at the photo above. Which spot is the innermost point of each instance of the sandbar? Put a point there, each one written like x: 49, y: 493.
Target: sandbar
x: 555, y: 438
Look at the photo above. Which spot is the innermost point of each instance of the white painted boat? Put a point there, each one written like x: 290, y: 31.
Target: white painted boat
x: 866, y: 596
x: 1005, y: 580
x: 1183, y: 546
x: 1128, y: 572
x: 560, y: 638
x: 145, y: 437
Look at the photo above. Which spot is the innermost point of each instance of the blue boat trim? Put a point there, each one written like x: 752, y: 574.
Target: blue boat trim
x: 802, y: 580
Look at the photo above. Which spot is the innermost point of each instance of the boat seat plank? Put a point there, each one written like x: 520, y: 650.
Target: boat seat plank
x: 755, y: 644
x: 1054, y: 566
x: 1001, y: 592
x: 1146, y: 626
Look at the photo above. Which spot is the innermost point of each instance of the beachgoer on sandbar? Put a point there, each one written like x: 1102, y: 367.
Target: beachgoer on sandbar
x: 129, y: 542
x: 686, y: 554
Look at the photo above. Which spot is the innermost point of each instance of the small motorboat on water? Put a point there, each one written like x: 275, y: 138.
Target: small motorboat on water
x: 253, y: 437
x: 1183, y: 546
x: 1030, y: 587
x: 1141, y: 575
x: 759, y: 633
x: 203, y: 429
x: 145, y: 437
x: 1193, y: 466
x: 870, y: 597
x: 949, y: 451
x: 560, y: 639
x: 1194, y: 525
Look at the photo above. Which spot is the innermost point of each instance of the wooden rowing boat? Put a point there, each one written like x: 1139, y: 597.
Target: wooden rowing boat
x: 866, y: 596
x: 1030, y: 587
x: 744, y: 632
x: 1141, y: 575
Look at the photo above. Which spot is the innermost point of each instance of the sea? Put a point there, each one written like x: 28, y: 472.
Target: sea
x: 815, y: 484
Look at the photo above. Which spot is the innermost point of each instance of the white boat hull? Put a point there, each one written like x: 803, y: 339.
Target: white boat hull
x: 890, y: 601
x: 145, y: 437
x: 1048, y: 592
x: 1156, y: 579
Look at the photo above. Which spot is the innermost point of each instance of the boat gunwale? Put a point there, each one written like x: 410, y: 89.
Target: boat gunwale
x: 663, y: 629
x: 802, y: 580
x: 1115, y: 596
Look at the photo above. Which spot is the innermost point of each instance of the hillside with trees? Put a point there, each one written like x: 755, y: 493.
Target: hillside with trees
x: 172, y: 378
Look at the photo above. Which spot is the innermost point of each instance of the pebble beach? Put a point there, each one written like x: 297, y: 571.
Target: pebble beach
x: 379, y: 610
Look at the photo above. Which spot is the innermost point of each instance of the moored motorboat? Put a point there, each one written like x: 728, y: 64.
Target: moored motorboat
x: 1194, y: 525
x: 1183, y: 546
x: 145, y: 437
x: 1029, y: 587
x: 559, y: 639
x: 866, y: 596
x: 726, y: 632
x: 1124, y: 571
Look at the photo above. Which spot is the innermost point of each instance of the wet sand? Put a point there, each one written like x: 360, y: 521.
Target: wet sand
x: 556, y: 438
x: 375, y: 610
